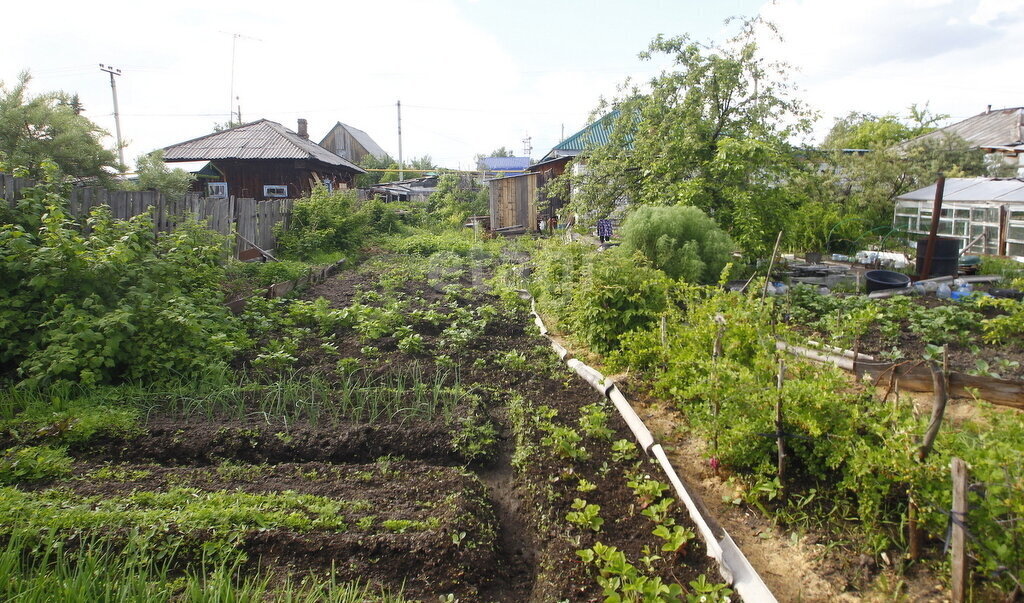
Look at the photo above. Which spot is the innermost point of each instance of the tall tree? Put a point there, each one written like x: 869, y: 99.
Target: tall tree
x: 894, y: 162
x: 712, y: 132
x: 372, y: 162
x: 49, y: 126
x: 154, y: 174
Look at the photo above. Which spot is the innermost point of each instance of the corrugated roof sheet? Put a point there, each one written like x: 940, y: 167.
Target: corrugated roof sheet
x: 594, y: 135
x: 972, y: 189
x: 1000, y: 127
x: 263, y: 139
x: 506, y: 164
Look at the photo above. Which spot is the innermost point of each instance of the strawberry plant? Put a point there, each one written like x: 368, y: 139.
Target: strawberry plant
x: 585, y: 515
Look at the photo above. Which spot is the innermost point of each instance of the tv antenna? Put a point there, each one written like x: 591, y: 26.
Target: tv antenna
x: 232, y: 98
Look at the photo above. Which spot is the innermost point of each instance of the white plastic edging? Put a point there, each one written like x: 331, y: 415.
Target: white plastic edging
x: 714, y: 549
x: 643, y: 436
x: 842, y: 362
x: 732, y: 563
x: 591, y: 376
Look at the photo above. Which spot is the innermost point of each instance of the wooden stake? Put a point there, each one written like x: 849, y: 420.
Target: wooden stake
x: 778, y: 420
x: 958, y: 548
x: 716, y: 352
x: 938, y: 406
x: 913, y: 532
x: 771, y: 264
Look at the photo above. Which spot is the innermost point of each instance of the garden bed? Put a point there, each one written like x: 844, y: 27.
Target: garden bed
x: 397, y: 426
x: 981, y: 337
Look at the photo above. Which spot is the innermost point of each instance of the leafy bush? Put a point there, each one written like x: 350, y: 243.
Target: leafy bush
x: 455, y: 200
x: 264, y: 274
x: 683, y: 241
x: 107, y: 301
x: 616, y: 295
x: 452, y: 241
x: 33, y: 463
x: 557, y: 269
x: 324, y: 221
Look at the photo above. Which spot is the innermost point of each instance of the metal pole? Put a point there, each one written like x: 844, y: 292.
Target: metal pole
x: 231, y: 96
x: 926, y: 270
x: 401, y: 173
x: 117, y: 116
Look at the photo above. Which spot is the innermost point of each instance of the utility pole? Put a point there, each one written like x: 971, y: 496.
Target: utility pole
x: 401, y: 166
x: 117, y: 116
x: 527, y: 145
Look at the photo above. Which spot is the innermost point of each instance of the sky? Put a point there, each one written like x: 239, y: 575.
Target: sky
x: 475, y: 75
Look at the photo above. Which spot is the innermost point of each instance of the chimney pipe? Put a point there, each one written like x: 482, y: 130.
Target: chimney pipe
x: 988, y: 109
x: 303, y: 131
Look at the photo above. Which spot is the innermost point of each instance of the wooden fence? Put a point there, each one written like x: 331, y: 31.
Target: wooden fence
x: 253, y: 220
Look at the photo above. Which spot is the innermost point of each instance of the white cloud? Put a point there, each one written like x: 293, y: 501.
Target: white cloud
x: 880, y: 56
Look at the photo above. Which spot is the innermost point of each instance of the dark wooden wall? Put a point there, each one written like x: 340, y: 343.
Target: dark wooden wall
x: 246, y: 178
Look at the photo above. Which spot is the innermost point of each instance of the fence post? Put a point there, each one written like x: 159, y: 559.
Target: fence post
x: 958, y: 548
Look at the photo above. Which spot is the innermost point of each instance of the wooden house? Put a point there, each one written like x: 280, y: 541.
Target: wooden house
x: 264, y: 160
x: 351, y: 143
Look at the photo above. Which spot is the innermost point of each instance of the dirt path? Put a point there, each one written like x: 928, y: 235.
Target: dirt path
x: 796, y: 566
x: 516, y: 547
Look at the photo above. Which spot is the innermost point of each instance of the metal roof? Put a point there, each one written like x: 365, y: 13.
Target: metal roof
x: 361, y: 137
x: 593, y: 135
x: 972, y: 189
x: 263, y: 139
x: 506, y: 164
x: 996, y: 128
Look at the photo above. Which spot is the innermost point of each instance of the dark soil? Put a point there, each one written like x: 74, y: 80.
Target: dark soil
x: 968, y: 354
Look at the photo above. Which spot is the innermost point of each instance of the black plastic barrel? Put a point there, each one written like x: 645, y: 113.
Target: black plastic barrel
x: 885, y: 279
x: 945, y: 258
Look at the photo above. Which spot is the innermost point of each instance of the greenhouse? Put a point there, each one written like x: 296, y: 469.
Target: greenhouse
x: 986, y: 214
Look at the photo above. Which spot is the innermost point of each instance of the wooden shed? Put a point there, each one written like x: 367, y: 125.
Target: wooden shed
x: 513, y: 202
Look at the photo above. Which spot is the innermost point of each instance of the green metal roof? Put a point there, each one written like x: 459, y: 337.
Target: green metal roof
x: 594, y: 135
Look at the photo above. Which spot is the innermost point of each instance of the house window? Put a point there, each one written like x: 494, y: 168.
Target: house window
x: 217, y: 190
x: 275, y: 190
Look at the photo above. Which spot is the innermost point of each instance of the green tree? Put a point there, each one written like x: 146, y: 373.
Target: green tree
x: 372, y: 162
x: 867, y: 184
x: 155, y: 175
x: 413, y: 168
x: 455, y: 199
x: 49, y: 126
x: 712, y: 131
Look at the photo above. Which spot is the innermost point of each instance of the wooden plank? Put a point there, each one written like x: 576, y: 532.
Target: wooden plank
x: 280, y: 289
x: 8, y: 191
x: 237, y: 305
x: 916, y: 377
x: 249, y: 254
x: 958, y: 545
